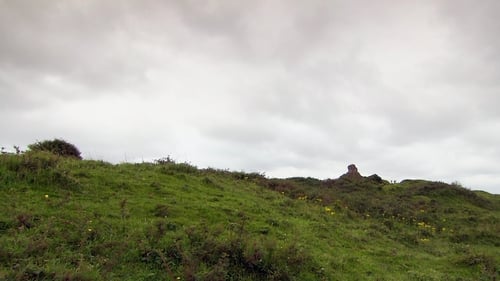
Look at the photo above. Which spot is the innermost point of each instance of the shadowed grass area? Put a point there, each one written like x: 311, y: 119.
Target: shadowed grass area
x: 69, y: 219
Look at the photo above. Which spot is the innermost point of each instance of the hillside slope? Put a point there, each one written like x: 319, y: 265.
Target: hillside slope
x: 67, y: 219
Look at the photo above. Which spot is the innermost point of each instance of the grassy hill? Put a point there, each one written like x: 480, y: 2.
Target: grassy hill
x: 69, y: 219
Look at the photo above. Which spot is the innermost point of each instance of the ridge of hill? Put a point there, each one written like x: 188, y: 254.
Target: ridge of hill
x: 69, y: 219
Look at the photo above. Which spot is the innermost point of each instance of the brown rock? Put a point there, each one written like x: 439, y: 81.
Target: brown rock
x: 352, y: 173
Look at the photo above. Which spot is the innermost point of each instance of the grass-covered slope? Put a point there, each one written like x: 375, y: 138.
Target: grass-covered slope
x: 68, y: 219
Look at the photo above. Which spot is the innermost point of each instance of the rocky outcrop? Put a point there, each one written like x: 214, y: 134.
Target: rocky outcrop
x: 352, y: 173
x: 353, y: 176
x: 375, y: 178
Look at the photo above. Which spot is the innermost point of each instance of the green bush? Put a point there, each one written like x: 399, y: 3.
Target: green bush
x: 57, y: 147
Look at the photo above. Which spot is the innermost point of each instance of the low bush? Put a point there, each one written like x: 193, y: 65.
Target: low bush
x: 57, y: 147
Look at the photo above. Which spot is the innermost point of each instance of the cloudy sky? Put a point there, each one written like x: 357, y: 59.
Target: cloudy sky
x: 404, y: 89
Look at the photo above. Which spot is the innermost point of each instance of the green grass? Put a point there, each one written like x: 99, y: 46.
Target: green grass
x: 66, y: 219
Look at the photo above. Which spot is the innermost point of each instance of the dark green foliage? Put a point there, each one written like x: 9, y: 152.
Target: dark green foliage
x: 485, y: 263
x: 57, y: 147
x: 168, y: 165
x: 238, y: 175
x: 375, y: 178
x: 367, y: 196
x: 172, y: 168
x: 204, y: 256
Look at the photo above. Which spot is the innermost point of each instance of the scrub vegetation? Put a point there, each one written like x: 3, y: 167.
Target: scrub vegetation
x: 62, y: 218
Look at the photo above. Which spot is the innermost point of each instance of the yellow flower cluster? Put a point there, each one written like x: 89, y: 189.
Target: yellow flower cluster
x: 302, y: 197
x: 427, y: 226
x: 329, y: 210
x: 423, y: 225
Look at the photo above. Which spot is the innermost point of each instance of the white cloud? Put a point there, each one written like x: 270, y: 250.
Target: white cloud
x: 290, y: 88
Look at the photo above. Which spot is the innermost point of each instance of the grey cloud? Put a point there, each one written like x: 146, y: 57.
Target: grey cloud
x: 81, y: 43
x: 279, y: 86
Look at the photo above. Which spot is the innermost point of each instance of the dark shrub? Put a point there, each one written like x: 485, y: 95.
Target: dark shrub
x: 56, y: 146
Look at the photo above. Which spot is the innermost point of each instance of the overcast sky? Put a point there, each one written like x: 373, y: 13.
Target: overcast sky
x: 404, y: 89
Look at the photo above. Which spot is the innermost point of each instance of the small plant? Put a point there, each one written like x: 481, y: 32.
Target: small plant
x: 17, y: 149
x: 123, y: 209
x: 165, y: 160
x: 24, y: 221
x: 57, y: 147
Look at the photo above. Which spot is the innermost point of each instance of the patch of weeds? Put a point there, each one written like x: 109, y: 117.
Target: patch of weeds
x: 156, y: 185
x: 6, y: 256
x: 124, y: 212
x: 420, y: 276
x: 231, y: 258
x: 5, y: 226
x: 174, y: 168
x: 164, y: 160
x: 34, y: 274
x: 211, y: 183
x: 181, y: 177
x: 120, y: 186
x: 78, y: 276
x: 161, y: 211
x: 37, y: 247
x: 109, y: 254
x: 485, y: 263
x: 63, y: 178
x: 159, y: 260
x: 272, y: 222
x: 25, y: 221
x: 460, y: 238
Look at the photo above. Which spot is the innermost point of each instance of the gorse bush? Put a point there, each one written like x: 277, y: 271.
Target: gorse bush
x: 57, y: 147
